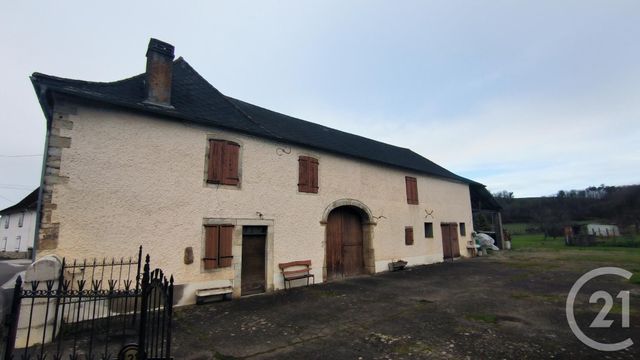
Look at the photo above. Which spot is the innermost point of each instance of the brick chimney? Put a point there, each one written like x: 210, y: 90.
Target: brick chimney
x: 159, y: 71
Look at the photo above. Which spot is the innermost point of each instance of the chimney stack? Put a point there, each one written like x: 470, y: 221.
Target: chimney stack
x: 159, y: 71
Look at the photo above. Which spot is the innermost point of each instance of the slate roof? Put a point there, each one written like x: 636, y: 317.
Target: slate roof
x: 195, y: 100
x: 30, y: 202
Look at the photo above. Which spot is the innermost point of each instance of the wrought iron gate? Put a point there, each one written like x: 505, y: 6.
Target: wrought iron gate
x: 94, y: 310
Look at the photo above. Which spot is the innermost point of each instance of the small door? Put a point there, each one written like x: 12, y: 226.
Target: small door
x: 253, y: 259
x: 344, y: 243
x: 450, y: 245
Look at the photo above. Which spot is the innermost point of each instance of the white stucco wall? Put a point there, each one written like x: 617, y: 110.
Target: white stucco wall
x: 136, y: 180
x: 17, y: 238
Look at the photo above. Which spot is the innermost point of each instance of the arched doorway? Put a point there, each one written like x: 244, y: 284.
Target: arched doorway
x: 344, y: 242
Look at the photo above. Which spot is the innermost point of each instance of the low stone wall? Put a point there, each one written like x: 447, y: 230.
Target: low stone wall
x: 12, y: 255
x: 37, y: 316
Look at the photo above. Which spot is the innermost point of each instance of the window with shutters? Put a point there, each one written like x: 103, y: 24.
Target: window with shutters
x: 408, y: 235
x: 223, y: 166
x: 412, y: 190
x: 218, y: 245
x: 307, y: 174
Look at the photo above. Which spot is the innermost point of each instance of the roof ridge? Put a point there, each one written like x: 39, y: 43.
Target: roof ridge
x: 244, y: 114
x: 58, y: 78
x: 320, y: 125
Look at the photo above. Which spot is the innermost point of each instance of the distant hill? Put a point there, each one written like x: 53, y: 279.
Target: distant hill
x: 614, y: 204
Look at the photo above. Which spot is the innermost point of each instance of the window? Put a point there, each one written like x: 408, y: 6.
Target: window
x: 6, y: 221
x: 307, y: 174
x: 21, y: 220
x: 18, y: 241
x: 428, y: 230
x: 412, y: 190
x: 218, y: 246
x: 408, y: 235
x: 4, y: 243
x: 222, y: 167
x: 463, y: 229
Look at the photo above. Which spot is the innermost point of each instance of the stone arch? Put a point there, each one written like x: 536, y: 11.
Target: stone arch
x: 368, y: 225
x: 367, y: 216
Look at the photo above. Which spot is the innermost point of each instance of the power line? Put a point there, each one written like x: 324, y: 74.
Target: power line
x: 14, y: 187
x: 18, y: 156
x: 12, y: 201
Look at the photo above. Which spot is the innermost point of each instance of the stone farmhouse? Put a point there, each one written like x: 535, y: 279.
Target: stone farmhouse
x: 220, y: 191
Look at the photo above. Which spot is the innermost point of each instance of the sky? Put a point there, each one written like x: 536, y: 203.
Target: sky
x: 525, y: 96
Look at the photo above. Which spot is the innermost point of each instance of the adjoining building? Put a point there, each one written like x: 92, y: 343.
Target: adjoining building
x: 18, y: 227
x: 220, y: 191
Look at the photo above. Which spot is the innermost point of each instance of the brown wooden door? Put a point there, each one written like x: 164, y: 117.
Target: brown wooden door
x: 450, y: 246
x: 344, y: 243
x: 253, y: 259
x: 446, y: 243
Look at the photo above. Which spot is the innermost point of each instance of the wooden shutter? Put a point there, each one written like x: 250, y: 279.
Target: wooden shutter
x: 412, y: 190
x: 408, y: 235
x: 226, y: 245
x: 231, y: 157
x: 303, y: 172
x: 214, y: 171
x: 313, y: 175
x: 307, y: 174
x: 218, y: 247
x: 211, y: 247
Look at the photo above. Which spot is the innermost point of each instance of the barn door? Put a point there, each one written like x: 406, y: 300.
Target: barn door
x: 450, y: 245
x: 344, y: 243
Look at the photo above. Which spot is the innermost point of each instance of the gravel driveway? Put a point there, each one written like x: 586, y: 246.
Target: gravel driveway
x: 509, y: 305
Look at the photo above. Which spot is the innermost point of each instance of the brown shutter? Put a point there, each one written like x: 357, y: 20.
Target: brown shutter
x: 313, y: 175
x: 226, y: 245
x: 231, y: 159
x: 211, y: 247
x: 412, y: 190
x: 214, y: 171
x: 408, y: 235
x: 303, y: 174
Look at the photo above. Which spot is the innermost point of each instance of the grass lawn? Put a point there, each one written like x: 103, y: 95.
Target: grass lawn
x: 548, y: 252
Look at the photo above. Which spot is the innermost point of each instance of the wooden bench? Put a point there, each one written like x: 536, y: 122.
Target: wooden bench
x: 302, y: 271
x: 473, y: 248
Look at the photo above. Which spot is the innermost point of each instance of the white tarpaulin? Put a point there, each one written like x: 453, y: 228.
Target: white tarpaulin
x: 485, y: 241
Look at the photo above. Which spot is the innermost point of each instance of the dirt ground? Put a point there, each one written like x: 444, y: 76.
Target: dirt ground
x: 506, y: 306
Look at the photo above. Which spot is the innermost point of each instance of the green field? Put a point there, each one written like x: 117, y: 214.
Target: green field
x: 551, y: 251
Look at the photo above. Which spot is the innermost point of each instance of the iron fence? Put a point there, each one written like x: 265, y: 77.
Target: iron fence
x: 104, y: 309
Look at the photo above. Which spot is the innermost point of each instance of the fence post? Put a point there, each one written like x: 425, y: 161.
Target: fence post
x: 13, y: 319
x: 135, y: 301
x: 169, y: 305
x: 142, y: 349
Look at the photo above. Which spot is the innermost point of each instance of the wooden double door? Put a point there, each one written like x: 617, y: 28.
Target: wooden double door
x: 450, y: 245
x: 344, y: 243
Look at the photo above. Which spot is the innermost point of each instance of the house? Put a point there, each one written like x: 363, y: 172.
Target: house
x: 220, y: 191
x: 18, y: 227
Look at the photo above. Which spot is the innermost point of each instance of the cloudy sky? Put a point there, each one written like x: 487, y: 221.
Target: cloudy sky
x: 525, y: 96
